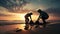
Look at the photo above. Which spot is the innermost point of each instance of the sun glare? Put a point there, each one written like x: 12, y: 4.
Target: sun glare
x: 20, y: 16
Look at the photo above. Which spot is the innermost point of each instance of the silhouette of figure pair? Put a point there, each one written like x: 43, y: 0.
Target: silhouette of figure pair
x: 42, y: 15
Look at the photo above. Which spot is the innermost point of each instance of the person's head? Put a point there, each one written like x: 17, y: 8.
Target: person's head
x: 31, y: 13
x: 39, y: 10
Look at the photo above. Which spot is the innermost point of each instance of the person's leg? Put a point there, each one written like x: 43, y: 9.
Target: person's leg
x: 26, y: 24
x: 44, y: 23
x: 26, y: 20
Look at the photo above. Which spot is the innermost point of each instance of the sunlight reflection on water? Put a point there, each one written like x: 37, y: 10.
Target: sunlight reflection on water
x: 12, y: 27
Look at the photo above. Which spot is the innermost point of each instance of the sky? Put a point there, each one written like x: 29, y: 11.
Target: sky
x: 16, y: 9
x: 45, y: 4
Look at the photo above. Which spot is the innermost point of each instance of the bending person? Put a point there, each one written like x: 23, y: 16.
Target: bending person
x: 27, y: 16
x: 44, y: 16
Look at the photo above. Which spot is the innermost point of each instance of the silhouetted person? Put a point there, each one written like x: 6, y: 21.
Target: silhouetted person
x: 27, y: 17
x: 27, y: 20
x: 43, y: 15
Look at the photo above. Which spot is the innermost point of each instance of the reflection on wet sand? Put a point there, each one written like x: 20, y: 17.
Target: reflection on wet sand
x: 11, y: 29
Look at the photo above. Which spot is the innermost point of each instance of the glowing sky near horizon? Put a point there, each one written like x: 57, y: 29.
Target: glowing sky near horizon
x: 6, y: 14
x: 20, y: 16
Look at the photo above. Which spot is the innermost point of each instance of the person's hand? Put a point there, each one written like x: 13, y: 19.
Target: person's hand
x: 40, y: 16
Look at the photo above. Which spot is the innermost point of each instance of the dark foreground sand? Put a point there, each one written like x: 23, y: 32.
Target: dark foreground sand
x: 50, y: 29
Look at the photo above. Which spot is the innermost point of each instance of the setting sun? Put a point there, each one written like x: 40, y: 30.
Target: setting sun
x: 20, y: 16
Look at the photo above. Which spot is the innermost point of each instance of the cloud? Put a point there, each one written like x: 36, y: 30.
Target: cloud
x: 4, y: 15
x: 10, y: 4
x: 54, y: 11
x: 4, y: 12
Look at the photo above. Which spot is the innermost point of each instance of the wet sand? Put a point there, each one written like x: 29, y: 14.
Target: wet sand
x: 50, y: 29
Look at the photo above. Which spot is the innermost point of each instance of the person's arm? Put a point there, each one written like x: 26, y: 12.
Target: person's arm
x: 38, y: 17
x: 30, y: 18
